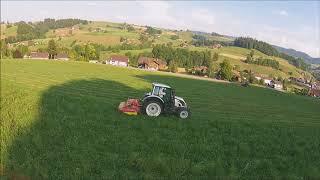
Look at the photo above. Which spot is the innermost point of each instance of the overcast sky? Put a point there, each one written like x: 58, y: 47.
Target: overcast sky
x: 290, y: 24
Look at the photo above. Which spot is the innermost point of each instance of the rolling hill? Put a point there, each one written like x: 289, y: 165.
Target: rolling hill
x: 110, y: 34
x: 298, y: 54
x: 59, y: 121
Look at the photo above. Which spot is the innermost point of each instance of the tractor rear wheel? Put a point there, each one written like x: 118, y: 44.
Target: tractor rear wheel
x: 153, y: 108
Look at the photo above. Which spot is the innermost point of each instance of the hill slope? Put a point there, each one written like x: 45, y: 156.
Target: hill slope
x: 110, y: 34
x: 298, y: 54
x: 60, y: 122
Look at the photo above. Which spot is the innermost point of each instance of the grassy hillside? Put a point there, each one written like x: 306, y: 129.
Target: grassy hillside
x: 109, y: 34
x: 237, y: 55
x: 59, y: 121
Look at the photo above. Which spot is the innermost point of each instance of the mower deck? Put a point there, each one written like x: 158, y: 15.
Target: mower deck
x: 130, y: 107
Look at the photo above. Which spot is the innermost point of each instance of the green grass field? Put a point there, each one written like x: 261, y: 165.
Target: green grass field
x: 59, y: 121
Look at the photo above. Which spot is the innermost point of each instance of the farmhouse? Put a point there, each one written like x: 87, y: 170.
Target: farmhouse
x: 199, y: 70
x: 62, y: 56
x: 216, y: 46
x: 151, y: 63
x: 39, y: 55
x: 267, y: 81
x: 300, y: 82
x: 314, y: 92
x: 315, y: 85
x: 94, y: 61
x: 118, y: 60
x: 258, y: 78
x: 276, y: 85
x: 148, y: 63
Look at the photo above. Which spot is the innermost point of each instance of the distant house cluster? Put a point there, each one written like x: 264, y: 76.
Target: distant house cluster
x: 314, y: 89
x: 45, y: 55
x: 278, y: 85
x: 143, y: 62
x: 314, y: 92
x: 300, y: 82
x: 151, y: 63
x: 216, y: 46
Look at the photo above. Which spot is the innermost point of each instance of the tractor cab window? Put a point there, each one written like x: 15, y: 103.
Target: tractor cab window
x: 173, y: 93
x: 159, y: 91
x: 156, y: 90
x: 162, y: 92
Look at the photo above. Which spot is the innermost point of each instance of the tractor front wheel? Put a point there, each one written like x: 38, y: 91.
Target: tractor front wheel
x: 183, y: 113
x: 153, y: 108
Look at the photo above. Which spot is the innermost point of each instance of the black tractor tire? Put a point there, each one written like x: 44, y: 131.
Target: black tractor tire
x: 183, y: 112
x: 152, y: 108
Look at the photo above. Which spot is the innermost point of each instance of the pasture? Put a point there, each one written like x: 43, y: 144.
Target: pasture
x: 59, y: 121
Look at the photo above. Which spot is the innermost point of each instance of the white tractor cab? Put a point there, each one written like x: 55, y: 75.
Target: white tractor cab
x: 162, y: 99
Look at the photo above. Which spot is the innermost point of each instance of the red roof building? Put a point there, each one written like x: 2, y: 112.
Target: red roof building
x: 118, y: 60
x: 39, y: 55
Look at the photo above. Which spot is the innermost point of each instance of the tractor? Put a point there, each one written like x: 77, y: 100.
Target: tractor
x: 160, y: 100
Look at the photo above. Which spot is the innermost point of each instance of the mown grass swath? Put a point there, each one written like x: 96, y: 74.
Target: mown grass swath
x: 59, y: 121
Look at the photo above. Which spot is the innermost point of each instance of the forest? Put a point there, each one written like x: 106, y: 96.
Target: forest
x: 182, y: 57
x: 200, y: 40
x: 37, y: 30
x: 250, y: 43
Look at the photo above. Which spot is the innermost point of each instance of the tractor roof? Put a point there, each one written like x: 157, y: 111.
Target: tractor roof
x: 161, y: 85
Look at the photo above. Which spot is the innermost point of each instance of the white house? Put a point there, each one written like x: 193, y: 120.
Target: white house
x: 258, y: 78
x: 267, y: 81
x: 94, y: 61
x: 118, y: 60
x: 276, y: 85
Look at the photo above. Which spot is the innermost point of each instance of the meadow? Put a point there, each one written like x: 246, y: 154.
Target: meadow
x: 60, y: 121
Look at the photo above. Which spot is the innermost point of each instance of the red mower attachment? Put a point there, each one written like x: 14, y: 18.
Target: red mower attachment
x: 130, y: 107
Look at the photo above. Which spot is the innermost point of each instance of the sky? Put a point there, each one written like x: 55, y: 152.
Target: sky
x: 290, y: 24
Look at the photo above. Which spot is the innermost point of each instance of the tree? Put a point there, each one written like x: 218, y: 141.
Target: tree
x: 23, y: 49
x: 90, y: 52
x: 174, y: 37
x: 130, y: 28
x: 173, y: 66
x: 251, y: 53
x: 143, y: 38
x: 122, y: 39
x: 215, y: 57
x: 285, y: 84
x: 237, y: 67
x: 249, y: 59
x: 17, y: 54
x: 5, y: 52
x: 211, y: 69
x: 153, y: 31
x: 225, y: 70
x: 251, y: 77
x: 52, y: 49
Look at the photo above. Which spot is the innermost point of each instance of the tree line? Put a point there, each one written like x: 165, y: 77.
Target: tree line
x: 268, y: 49
x: 200, y: 40
x: 29, y: 31
x: 182, y: 57
x: 153, y: 31
x: 262, y: 61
